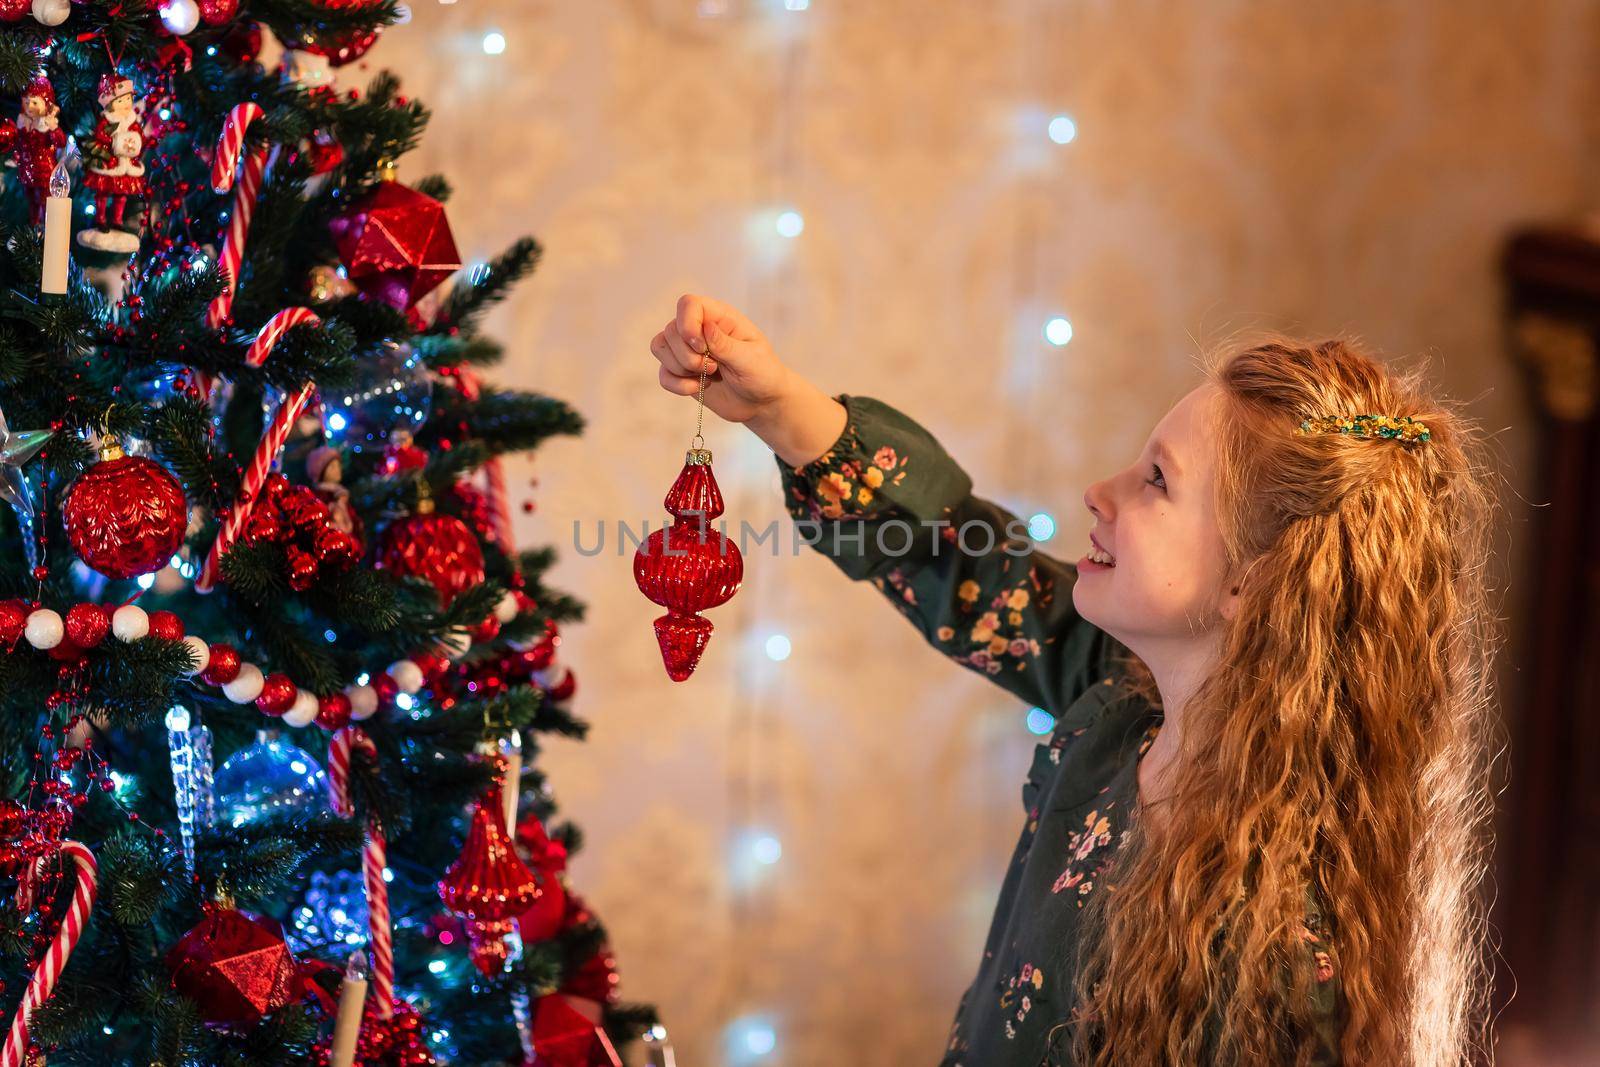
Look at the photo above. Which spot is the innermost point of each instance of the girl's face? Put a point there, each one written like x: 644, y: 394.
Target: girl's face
x: 1156, y: 518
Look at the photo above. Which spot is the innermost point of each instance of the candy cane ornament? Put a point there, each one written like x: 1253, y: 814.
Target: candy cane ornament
x: 45, y: 975
x: 224, y: 170
x: 272, y: 442
x: 494, y: 474
x: 374, y: 859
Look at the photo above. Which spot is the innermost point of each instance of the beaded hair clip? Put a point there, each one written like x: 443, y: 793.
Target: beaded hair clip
x: 1404, y: 428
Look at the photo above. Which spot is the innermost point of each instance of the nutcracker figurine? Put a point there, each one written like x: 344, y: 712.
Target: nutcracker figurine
x: 39, y: 138
x: 115, y: 171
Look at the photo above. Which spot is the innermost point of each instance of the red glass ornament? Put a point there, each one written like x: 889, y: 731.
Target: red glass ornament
x: 13, y: 620
x: 235, y: 967
x: 548, y: 858
x: 126, y: 515
x: 385, y: 687
x: 468, y: 503
x: 88, y: 624
x: 437, y: 547
x: 396, y: 244
x: 166, y: 625
x: 566, y: 1038
x: 216, y: 12
x: 277, y: 694
x: 689, y: 566
x: 333, y: 711
x: 223, y: 666
x: 489, y: 885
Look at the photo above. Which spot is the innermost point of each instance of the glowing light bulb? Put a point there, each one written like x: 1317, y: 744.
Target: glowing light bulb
x: 1041, y: 526
x: 1058, y: 331
x: 766, y: 849
x: 791, y: 223
x: 494, y: 43
x: 1063, y: 130
x: 778, y: 647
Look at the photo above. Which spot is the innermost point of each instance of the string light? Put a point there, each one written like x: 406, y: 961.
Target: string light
x: 778, y: 647
x: 1063, y: 130
x: 767, y: 849
x: 791, y: 223
x: 494, y: 43
x: 1058, y: 331
x: 1041, y: 526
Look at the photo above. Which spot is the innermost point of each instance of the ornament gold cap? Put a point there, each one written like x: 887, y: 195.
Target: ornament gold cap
x: 697, y: 457
x: 110, y: 448
x: 388, y: 170
x: 424, y: 498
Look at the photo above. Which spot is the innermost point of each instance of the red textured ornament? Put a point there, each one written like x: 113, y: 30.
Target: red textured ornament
x: 216, y: 12
x: 333, y: 711
x: 223, y: 666
x: 277, y: 694
x: 489, y: 885
x: 564, y: 1037
x: 398, y: 1041
x: 396, y: 244
x: 235, y: 967
x: 324, y: 152
x: 166, y: 625
x: 13, y: 619
x: 689, y: 566
x: 126, y: 515
x: 12, y: 10
x: 88, y: 624
x: 437, y: 547
x: 546, y: 918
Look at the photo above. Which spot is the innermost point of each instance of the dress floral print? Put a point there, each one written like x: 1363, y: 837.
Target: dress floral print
x: 998, y: 607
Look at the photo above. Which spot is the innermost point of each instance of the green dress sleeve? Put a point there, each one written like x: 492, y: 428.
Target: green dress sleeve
x: 887, y: 504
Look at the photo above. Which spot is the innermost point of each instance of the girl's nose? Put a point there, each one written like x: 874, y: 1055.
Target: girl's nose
x: 1098, y: 501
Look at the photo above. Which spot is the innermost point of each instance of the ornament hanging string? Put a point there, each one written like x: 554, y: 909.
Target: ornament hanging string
x: 272, y: 442
x: 374, y: 859
x: 45, y: 975
x: 224, y: 172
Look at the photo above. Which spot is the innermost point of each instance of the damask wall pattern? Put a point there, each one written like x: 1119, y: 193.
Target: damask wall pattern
x: 1347, y: 166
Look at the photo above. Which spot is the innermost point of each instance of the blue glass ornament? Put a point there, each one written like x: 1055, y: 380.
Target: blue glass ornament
x: 270, y: 777
x: 395, y: 390
x: 332, y: 914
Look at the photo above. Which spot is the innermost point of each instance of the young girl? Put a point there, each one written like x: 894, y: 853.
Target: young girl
x: 1256, y: 833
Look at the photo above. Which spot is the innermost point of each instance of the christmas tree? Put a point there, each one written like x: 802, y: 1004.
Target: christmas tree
x: 272, y: 670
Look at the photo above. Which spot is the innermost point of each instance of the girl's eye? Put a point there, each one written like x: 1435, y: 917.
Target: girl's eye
x: 1159, y: 481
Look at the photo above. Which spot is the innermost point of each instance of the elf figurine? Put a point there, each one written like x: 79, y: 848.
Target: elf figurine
x: 39, y: 138
x: 326, y: 470
x: 112, y: 161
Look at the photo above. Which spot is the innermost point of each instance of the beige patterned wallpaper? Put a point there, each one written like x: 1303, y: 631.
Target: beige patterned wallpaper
x: 1348, y: 165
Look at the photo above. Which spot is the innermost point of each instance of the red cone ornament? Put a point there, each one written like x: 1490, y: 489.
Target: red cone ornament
x: 126, y: 515
x: 235, y: 967
x: 688, y: 566
x: 434, y: 546
x: 396, y: 244
x: 489, y: 885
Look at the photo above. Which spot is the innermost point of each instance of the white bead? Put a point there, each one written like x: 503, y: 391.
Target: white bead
x: 129, y: 623
x: 303, y: 712
x: 456, y: 643
x: 180, y: 16
x: 363, y: 701
x: 51, y: 12
x: 199, y: 651
x: 247, y: 686
x: 44, y: 629
x: 407, y: 675
x: 506, y: 609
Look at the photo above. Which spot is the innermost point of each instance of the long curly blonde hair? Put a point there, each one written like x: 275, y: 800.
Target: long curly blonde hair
x: 1343, y: 749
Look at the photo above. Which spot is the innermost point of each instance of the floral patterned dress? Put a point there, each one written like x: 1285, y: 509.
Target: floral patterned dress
x: 888, y: 505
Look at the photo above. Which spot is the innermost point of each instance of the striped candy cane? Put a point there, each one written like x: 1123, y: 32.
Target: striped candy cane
x: 374, y: 858
x: 224, y: 169
x: 44, y: 977
x: 494, y: 474
x: 255, y: 475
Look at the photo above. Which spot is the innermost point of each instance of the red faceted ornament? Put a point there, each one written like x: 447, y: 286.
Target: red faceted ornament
x: 437, y: 547
x: 235, y: 967
x: 689, y: 566
x: 396, y: 244
x: 489, y: 885
x: 126, y: 515
x: 216, y: 12
x: 564, y: 1037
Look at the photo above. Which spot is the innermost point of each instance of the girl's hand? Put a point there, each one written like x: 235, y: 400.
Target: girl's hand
x: 744, y: 377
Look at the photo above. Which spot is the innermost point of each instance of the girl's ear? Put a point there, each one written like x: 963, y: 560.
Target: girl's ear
x: 1229, y: 603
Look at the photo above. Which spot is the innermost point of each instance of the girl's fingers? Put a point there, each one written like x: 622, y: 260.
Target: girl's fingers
x: 673, y: 383
x: 688, y: 362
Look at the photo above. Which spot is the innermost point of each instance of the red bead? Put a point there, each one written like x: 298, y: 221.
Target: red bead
x: 277, y: 694
x: 385, y: 687
x: 13, y: 618
x: 333, y: 711
x: 486, y: 630
x: 166, y: 625
x: 223, y: 666
x: 88, y: 624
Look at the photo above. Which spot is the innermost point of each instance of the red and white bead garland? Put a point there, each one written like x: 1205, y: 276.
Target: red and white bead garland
x: 87, y: 625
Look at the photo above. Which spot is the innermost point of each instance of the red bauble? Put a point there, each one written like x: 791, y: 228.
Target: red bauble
x: 126, y: 515
x: 437, y: 547
x: 12, y: 10
x: 396, y: 244
x: 13, y: 619
x: 234, y: 966
x: 566, y: 1038
x: 468, y: 503
x: 333, y: 711
x: 166, y: 625
x: 88, y: 624
x: 398, y: 1041
x: 546, y: 918
x: 489, y: 885
x: 324, y: 152
x: 223, y: 666
x: 689, y: 566
x: 216, y: 12
x: 242, y: 43
x: 277, y: 694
